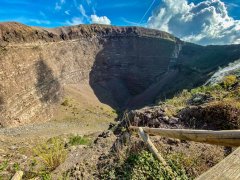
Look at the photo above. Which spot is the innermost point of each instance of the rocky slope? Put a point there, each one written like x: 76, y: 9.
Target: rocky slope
x: 126, y: 67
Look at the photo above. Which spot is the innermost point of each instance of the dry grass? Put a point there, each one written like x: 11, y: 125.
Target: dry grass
x: 228, y: 81
x: 172, y: 106
x: 79, y: 140
x: 51, y: 154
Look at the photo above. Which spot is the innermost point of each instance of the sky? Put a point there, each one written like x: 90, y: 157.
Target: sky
x: 198, y: 21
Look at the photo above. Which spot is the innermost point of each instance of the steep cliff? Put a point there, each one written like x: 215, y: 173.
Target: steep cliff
x: 126, y: 67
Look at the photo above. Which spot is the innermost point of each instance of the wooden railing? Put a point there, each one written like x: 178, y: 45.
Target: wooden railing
x: 227, y: 169
x: 224, y: 137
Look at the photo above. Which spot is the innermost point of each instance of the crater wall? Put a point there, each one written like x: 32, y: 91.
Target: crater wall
x: 127, y: 67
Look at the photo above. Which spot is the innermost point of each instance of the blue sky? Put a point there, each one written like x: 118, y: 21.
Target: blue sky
x: 53, y: 13
x: 203, y: 16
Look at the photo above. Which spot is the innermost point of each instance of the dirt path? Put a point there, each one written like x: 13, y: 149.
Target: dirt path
x: 83, y: 114
x: 49, y: 129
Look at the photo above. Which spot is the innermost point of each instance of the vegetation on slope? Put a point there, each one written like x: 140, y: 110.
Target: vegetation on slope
x: 216, y: 104
x: 143, y: 165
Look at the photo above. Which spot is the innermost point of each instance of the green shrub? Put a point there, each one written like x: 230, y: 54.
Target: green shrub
x: 3, y: 166
x: 228, y: 81
x: 207, y: 89
x: 79, y: 140
x: 144, y: 166
x: 51, y: 154
x: 16, y: 166
x: 46, y: 176
x: 179, y: 101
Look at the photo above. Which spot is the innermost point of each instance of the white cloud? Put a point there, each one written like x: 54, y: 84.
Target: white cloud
x: 24, y: 20
x: 82, y: 11
x: 94, y: 10
x: 88, y: 2
x: 232, y: 5
x: 42, y: 14
x: 38, y: 21
x: 58, y: 5
x: 100, y: 20
x: 132, y: 23
x: 207, y: 22
x: 67, y: 12
x: 75, y: 21
x: 84, y: 16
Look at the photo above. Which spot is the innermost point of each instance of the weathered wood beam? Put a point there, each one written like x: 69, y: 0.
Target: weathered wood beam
x: 18, y: 175
x: 154, y: 151
x: 227, y: 169
x: 223, y: 138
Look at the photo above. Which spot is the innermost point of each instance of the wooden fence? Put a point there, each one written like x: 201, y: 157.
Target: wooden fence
x: 224, y: 138
x: 229, y: 168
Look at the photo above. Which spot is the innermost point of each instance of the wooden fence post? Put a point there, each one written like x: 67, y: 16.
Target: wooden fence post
x: 155, y: 152
x: 18, y: 175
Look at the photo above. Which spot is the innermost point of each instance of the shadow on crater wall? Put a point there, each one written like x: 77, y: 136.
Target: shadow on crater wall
x: 128, y: 66
x: 48, y: 87
x: 133, y: 72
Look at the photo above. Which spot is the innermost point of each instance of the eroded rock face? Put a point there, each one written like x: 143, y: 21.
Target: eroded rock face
x: 126, y: 66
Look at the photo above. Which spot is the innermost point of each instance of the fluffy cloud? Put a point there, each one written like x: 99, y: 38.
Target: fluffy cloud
x: 100, y: 20
x: 204, y: 23
x: 85, y: 18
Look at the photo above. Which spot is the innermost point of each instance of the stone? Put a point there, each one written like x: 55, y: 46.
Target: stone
x: 72, y: 148
x: 111, y: 125
x: 76, y: 167
x: 172, y: 141
x: 106, y: 134
x: 173, y: 120
x: 200, y: 98
x: 165, y: 118
x: 126, y: 137
x: 13, y: 147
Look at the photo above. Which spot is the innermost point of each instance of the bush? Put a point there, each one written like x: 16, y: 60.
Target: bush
x: 51, y: 154
x: 79, y: 140
x: 230, y: 80
x: 144, y: 166
x: 218, y: 115
x: 207, y: 89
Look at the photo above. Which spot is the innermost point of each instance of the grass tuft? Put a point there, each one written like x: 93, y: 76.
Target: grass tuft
x: 51, y: 154
x: 79, y: 140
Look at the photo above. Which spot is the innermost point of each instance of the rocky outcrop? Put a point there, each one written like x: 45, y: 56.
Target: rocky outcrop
x: 126, y: 67
x: 154, y: 117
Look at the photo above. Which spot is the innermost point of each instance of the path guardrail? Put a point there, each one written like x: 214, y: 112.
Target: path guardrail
x: 224, y: 137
